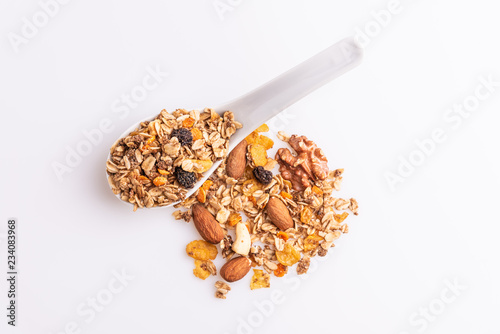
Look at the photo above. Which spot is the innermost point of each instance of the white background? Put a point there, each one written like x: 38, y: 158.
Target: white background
x: 440, y: 225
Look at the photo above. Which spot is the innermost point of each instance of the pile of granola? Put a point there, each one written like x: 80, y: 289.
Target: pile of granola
x: 303, y: 190
x: 156, y: 164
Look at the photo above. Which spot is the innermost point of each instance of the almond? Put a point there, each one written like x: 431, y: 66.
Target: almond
x: 279, y: 214
x: 235, y: 269
x: 237, y: 160
x: 206, y: 224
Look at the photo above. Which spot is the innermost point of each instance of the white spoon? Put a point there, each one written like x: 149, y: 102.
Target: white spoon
x: 267, y: 101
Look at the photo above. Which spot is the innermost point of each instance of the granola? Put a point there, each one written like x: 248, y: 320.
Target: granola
x: 153, y: 165
x: 306, y: 187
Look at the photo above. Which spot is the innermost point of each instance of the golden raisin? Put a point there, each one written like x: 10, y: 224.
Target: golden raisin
x: 201, y: 250
x: 258, y: 154
x: 317, y: 191
x: 341, y: 217
x: 260, y: 280
x: 281, y: 270
x: 188, y: 122
x: 311, y: 242
x: 160, y: 181
x: 282, y: 235
x: 306, y: 215
x: 196, y: 134
x: 288, y: 256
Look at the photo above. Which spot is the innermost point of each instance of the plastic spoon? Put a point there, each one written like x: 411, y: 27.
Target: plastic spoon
x: 265, y: 102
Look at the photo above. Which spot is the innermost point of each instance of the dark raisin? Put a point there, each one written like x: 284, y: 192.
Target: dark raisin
x: 184, y: 135
x: 262, y: 175
x: 186, y: 179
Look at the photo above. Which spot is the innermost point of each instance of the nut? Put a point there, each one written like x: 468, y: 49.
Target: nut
x: 235, y: 269
x: 309, y: 164
x: 242, y: 243
x: 236, y: 161
x: 279, y: 214
x: 206, y: 224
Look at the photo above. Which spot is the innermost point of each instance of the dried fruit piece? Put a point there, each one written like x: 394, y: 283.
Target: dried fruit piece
x: 284, y: 194
x: 282, y: 235
x: 148, y: 142
x: 160, y: 181
x: 197, y: 134
x: 306, y: 215
x: 163, y: 172
x: 281, y: 271
x: 341, y: 217
x: 234, y: 218
x: 184, y: 135
x: 207, y: 184
x: 260, y: 280
x: 311, y: 242
x: 202, y: 195
x: 202, y: 192
x: 201, y: 250
x: 252, y: 199
x: 186, y: 179
x: 317, y: 191
x: 262, y: 128
x: 258, y: 154
x: 262, y: 175
x: 288, y: 256
x: 201, y: 269
x: 188, y: 122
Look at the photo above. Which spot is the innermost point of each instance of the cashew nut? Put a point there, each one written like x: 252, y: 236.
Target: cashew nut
x: 243, y: 242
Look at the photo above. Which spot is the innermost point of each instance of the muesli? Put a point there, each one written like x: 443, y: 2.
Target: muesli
x: 268, y: 220
x: 156, y: 164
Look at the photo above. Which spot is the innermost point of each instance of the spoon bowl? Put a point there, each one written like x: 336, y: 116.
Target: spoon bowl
x: 268, y: 100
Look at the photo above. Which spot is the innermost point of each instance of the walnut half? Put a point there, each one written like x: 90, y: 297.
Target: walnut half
x: 309, y: 164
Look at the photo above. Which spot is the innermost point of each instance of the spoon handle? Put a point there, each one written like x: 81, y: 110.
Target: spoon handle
x: 265, y: 102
